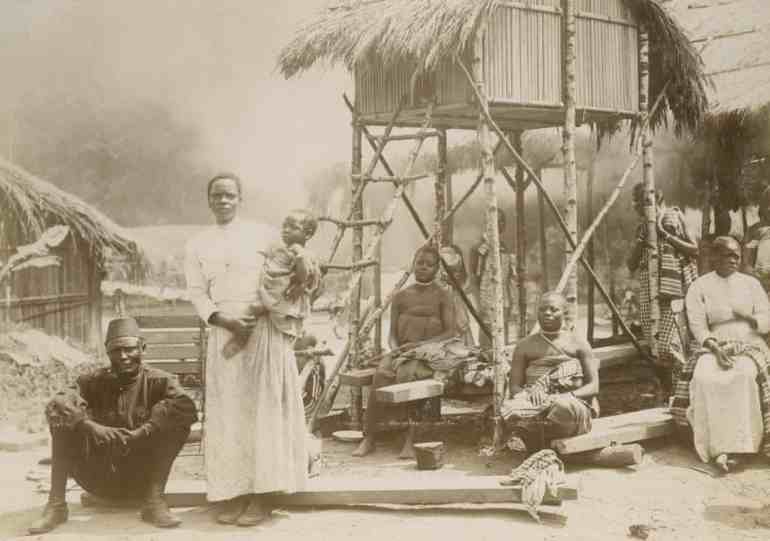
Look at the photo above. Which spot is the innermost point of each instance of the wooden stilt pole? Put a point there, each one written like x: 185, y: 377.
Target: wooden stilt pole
x: 542, y: 237
x: 357, y: 255
x: 521, y: 240
x: 591, y: 252
x: 493, y: 257
x: 650, y: 206
x: 568, y: 149
x: 439, y: 227
x: 449, y: 227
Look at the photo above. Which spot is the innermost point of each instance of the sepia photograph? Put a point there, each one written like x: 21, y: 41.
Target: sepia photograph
x: 385, y: 269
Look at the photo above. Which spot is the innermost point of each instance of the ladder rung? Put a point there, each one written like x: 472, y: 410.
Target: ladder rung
x: 353, y: 266
x: 351, y: 223
x: 397, y: 180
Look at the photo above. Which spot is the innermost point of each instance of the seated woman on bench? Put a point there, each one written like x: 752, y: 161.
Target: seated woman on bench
x: 422, y: 312
x: 553, y: 374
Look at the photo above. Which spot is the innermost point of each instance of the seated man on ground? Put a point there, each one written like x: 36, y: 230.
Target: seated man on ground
x: 117, y: 432
x: 554, y: 376
x: 420, y: 313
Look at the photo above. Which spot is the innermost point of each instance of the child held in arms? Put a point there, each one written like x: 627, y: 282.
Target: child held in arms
x: 289, y: 277
x: 420, y: 313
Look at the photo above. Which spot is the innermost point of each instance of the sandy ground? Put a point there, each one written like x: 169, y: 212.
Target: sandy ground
x: 664, y: 492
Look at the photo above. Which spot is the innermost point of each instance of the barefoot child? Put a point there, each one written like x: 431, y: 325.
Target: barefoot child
x: 290, y: 274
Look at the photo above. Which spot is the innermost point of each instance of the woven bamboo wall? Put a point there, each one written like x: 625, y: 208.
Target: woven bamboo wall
x: 523, y: 61
x: 62, y: 301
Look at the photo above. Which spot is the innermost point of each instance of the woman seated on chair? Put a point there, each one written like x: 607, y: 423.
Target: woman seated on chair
x: 420, y: 313
x: 723, y: 390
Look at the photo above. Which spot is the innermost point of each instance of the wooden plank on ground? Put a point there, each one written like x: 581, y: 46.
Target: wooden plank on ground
x: 340, y: 492
x: 168, y: 322
x: 358, y: 378
x: 413, y: 390
x: 171, y: 336
x: 624, y: 428
x: 176, y: 367
x: 171, y: 351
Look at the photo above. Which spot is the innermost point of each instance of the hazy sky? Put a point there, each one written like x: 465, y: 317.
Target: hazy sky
x: 210, y: 62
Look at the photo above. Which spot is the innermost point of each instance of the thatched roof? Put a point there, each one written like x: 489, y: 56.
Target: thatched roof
x: 358, y: 33
x: 35, y: 203
x: 736, y: 37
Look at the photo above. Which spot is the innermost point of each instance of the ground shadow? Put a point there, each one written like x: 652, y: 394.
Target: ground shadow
x: 739, y: 517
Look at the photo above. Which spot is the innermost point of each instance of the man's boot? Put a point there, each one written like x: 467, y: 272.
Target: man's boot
x: 55, y: 513
x: 155, y: 510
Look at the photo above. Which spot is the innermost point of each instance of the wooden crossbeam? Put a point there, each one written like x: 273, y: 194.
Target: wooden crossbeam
x: 342, y: 492
x: 350, y: 223
x: 396, y: 180
x: 352, y: 266
x: 624, y: 428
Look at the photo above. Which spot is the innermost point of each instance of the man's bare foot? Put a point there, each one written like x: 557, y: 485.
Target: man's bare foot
x: 407, y: 451
x: 365, y: 447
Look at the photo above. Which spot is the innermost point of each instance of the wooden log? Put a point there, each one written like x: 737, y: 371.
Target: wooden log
x: 407, y: 392
x: 570, y: 167
x: 613, y: 456
x: 342, y: 492
x: 624, y: 428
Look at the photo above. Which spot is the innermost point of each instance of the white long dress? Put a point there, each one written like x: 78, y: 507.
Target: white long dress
x: 254, y: 436
x: 724, y: 410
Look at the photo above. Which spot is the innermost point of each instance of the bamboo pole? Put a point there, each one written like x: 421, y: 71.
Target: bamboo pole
x: 588, y: 234
x: 591, y: 253
x: 650, y: 204
x: 378, y: 300
x: 554, y: 209
x: 493, y: 258
x: 542, y: 238
x: 568, y: 150
x: 357, y: 214
x: 449, y: 228
x: 521, y: 240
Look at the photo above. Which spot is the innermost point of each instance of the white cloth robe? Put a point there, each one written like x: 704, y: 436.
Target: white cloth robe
x: 254, y: 431
x: 724, y: 410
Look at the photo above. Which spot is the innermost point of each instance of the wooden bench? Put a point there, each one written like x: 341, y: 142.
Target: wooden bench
x: 617, y: 429
x: 177, y: 344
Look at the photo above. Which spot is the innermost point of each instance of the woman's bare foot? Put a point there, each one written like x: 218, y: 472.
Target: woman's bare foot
x: 365, y: 447
x: 723, y: 463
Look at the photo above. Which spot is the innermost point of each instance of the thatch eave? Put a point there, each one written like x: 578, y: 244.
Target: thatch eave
x: 36, y: 203
x: 427, y: 33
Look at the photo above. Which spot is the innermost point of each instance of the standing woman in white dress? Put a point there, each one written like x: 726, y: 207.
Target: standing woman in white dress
x: 725, y: 382
x: 222, y: 266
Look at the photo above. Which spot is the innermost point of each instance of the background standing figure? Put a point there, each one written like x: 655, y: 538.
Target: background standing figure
x: 482, y: 276
x: 677, y: 256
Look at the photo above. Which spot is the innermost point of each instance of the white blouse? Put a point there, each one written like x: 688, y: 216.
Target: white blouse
x: 710, y: 302
x: 223, y: 264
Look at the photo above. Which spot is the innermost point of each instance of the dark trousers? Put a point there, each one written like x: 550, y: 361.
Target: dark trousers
x: 114, y: 472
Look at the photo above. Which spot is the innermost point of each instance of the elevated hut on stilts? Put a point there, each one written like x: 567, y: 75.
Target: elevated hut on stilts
x: 500, y: 68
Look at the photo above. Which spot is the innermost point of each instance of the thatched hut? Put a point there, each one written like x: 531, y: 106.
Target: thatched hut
x: 734, y: 41
x: 502, y: 67
x: 63, y: 300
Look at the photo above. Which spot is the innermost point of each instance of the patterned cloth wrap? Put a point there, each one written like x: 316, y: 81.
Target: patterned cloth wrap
x: 563, y: 378
x: 681, y: 401
x: 443, y: 357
